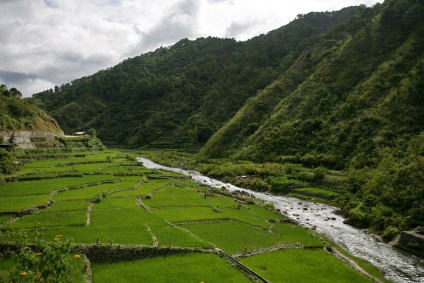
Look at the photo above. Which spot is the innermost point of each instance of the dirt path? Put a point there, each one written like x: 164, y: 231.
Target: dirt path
x: 353, y: 264
x: 243, y: 268
x: 142, y: 205
x: 269, y: 249
x: 155, y: 240
x: 89, y: 209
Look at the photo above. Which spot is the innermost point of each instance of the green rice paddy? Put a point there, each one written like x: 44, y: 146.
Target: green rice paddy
x: 162, y: 209
x: 297, y: 265
x: 177, y: 268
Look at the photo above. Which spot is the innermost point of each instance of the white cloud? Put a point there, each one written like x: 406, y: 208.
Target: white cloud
x: 51, y: 42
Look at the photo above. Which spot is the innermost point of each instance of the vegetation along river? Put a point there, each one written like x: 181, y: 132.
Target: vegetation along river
x: 396, y: 265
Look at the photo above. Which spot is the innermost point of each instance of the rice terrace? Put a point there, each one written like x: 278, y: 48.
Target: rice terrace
x: 118, y: 221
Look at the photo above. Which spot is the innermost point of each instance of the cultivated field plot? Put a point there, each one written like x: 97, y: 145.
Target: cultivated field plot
x: 114, y: 203
x: 296, y: 265
x: 177, y: 268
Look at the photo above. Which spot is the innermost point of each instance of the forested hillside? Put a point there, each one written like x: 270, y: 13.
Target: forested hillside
x: 359, y: 89
x: 17, y: 114
x: 179, y: 96
x: 353, y: 101
x: 344, y: 90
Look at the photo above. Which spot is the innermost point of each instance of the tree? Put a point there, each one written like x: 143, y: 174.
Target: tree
x: 7, y: 164
x: 92, y: 132
x: 12, y: 139
x: 14, y: 92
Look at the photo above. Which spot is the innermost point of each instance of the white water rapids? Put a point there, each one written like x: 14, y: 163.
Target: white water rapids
x: 395, y: 265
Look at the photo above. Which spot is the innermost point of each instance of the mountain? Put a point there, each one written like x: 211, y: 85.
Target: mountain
x: 353, y: 101
x: 344, y: 90
x: 179, y: 96
x: 356, y: 91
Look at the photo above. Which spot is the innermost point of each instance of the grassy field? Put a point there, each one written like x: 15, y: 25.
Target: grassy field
x: 106, y: 204
x: 296, y: 265
x: 178, y: 268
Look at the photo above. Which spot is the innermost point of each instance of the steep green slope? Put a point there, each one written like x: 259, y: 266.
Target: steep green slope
x: 17, y: 114
x: 356, y: 90
x: 179, y: 96
x: 354, y: 100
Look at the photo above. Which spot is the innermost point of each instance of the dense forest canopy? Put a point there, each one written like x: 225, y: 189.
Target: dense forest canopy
x: 179, y: 96
x: 340, y: 89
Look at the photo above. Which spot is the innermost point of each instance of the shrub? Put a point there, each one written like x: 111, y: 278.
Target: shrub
x: 259, y: 185
x: 358, y: 216
x: 272, y: 169
x: 390, y: 233
x: 282, y: 185
x: 43, y: 262
x: 292, y: 169
x: 319, y: 174
x: 7, y: 162
x: 305, y: 176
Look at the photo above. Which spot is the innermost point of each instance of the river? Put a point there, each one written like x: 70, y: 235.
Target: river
x: 395, y: 265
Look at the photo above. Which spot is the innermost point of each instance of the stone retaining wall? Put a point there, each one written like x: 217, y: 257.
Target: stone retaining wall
x: 113, y: 253
x: 105, y: 253
x: 412, y: 242
x: 27, y: 139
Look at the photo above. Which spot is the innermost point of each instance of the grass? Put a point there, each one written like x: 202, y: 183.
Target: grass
x: 42, y: 187
x: 244, y: 214
x: 317, y: 191
x: 91, y: 192
x: 178, y: 268
x: 371, y: 269
x: 67, y: 206
x: 118, y: 217
x: 126, y: 233
x: 176, y: 237
x: 188, y: 214
x: 15, y: 203
x: 74, y: 218
x: 236, y: 237
x: 299, y: 265
x: 174, y: 196
x: 217, y: 220
x: 140, y: 191
x: 4, y: 218
x: 112, y: 203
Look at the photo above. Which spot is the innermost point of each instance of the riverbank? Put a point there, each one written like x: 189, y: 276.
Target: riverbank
x: 395, y: 265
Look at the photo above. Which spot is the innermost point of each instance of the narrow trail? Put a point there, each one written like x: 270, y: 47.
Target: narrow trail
x: 89, y: 209
x: 353, y: 264
x: 142, y: 205
x: 243, y: 268
x: 269, y: 249
x: 155, y: 240
x: 202, y: 222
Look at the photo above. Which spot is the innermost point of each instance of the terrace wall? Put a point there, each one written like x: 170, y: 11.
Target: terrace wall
x: 411, y: 241
x: 113, y: 253
x: 27, y: 139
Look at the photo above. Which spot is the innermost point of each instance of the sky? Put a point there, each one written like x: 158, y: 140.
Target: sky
x: 44, y: 43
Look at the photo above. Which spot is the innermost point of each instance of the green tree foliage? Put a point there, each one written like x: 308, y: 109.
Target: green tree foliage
x: 342, y: 90
x: 180, y: 95
x: 353, y: 99
x: 17, y: 114
x: 7, y: 162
